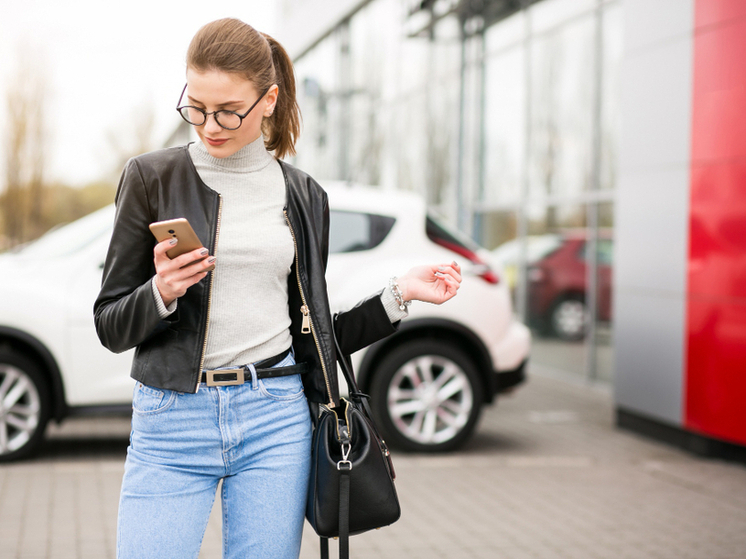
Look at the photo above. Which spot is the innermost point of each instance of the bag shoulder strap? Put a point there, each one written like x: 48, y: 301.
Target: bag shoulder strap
x: 344, y: 469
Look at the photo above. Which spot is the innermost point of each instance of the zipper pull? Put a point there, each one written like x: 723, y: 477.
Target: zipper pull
x: 305, y: 327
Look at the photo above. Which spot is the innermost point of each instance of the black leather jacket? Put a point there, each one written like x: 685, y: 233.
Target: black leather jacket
x: 170, y: 352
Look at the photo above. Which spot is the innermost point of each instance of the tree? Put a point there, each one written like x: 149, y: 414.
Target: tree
x: 24, y: 156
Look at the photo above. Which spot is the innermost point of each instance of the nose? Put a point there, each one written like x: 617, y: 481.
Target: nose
x: 211, y: 125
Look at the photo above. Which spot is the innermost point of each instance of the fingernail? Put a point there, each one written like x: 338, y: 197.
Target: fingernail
x: 441, y: 268
x: 204, y: 252
x: 439, y: 274
x: 211, y: 259
x: 454, y: 263
x: 173, y: 241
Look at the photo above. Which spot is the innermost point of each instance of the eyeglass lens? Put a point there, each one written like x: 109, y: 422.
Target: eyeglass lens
x: 226, y: 119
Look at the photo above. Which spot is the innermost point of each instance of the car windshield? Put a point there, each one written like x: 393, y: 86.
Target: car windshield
x: 72, y: 237
x: 541, y: 246
x: 537, y: 247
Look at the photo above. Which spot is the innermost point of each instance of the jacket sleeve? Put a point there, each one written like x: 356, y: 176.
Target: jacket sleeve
x: 125, y: 311
x: 365, y: 323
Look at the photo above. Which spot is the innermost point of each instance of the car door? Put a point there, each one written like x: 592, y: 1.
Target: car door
x: 93, y: 374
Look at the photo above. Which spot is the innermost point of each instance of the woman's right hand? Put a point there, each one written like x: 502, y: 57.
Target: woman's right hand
x: 171, y: 279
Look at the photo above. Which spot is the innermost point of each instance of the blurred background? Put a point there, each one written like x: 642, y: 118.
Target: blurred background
x: 84, y: 87
x: 592, y: 146
x: 591, y: 153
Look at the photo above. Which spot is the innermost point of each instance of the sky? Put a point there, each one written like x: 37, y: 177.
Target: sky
x: 106, y: 64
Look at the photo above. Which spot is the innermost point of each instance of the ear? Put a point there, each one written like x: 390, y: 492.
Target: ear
x: 270, y: 100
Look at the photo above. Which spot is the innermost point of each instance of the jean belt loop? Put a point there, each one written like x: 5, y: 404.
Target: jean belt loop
x: 254, y: 379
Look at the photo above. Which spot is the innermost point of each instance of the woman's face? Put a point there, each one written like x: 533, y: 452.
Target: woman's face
x: 214, y: 90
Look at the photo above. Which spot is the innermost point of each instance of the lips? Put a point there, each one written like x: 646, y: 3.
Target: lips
x: 216, y: 142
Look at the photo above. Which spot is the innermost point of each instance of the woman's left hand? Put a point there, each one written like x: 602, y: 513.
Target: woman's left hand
x: 432, y: 284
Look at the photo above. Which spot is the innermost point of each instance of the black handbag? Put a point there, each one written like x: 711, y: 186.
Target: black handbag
x: 351, y: 488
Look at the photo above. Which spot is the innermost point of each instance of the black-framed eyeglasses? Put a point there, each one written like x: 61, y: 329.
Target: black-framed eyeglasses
x: 230, y: 120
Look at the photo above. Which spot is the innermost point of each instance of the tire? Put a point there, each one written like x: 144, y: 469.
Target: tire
x: 409, y: 404
x: 569, y: 318
x: 24, y: 406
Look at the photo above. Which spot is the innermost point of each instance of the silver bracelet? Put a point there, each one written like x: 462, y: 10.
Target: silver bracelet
x: 398, y: 294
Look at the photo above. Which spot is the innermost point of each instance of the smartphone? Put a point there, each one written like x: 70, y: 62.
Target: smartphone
x: 179, y: 229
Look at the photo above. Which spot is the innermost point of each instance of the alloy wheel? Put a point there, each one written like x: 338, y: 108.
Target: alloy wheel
x: 20, y: 409
x: 430, y: 399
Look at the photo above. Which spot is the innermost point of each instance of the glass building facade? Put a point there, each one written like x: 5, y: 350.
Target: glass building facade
x: 507, y: 121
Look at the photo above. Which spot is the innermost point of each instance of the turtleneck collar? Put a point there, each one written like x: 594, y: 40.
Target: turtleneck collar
x: 251, y: 157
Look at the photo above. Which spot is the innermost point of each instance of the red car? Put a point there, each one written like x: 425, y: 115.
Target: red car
x: 557, y: 286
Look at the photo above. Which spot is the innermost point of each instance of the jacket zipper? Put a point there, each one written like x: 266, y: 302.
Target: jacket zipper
x: 209, y: 295
x: 307, y: 324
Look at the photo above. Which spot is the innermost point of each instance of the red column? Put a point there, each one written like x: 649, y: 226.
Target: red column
x: 715, y: 389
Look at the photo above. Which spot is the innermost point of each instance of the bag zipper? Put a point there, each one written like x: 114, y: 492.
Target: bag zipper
x: 307, y: 324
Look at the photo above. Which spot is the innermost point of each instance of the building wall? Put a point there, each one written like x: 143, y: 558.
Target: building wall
x: 304, y: 22
x: 681, y: 218
x: 560, y: 136
x: 652, y: 208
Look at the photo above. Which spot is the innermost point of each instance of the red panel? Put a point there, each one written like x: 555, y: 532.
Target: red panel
x: 717, y: 250
x: 715, y: 401
x: 719, y: 118
x: 709, y: 12
x: 716, y: 385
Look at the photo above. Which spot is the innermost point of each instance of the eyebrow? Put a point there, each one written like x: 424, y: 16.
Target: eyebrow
x: 226, y: 104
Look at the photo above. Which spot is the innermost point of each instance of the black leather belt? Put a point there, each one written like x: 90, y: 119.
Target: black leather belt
x: 239, y: 375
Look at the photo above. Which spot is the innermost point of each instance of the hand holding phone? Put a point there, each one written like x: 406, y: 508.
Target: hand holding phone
x: 181, y: 265
x: 182, y: 231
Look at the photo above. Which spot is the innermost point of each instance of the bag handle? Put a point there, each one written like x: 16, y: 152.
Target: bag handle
x: 342, y: 359
x: 352, y: 388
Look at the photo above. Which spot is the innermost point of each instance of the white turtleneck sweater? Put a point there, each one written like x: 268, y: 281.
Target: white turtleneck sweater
x: 249, y: 314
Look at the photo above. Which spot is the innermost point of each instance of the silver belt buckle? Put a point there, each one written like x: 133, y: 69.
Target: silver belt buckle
x: 210, y: 381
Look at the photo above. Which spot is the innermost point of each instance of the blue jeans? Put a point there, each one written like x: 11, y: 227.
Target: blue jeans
x: 256, y: 437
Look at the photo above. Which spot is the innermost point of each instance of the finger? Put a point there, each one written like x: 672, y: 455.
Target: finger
x: 454, y: 273
x: 159, y: 251
x: 451, y: 285
x: 188, y: 259
x: 450, y: 280
x: 195, y: 278
x: 447, y: 269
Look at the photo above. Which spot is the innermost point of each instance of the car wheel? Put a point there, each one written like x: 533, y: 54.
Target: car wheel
x: 24, y: 406
x: 426, y: 396
x: 570, y: 318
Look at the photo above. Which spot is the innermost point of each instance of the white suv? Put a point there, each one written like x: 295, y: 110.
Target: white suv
x: 427, y: 382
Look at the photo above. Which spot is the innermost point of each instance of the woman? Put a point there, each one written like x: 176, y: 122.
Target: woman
x: 263, y: 309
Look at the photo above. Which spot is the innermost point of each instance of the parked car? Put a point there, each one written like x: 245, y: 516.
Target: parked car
x: 507, y: 256
x: 557, y: 284
x: 427, y: 382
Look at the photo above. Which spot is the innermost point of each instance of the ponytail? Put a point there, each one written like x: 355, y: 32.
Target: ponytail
x: 232, y: 46
x: 283, y: 127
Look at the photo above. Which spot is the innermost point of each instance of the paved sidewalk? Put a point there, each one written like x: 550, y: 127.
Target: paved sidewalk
x: 546, y: 476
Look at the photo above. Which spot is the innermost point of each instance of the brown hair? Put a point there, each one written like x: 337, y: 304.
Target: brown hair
x: 232, y: 46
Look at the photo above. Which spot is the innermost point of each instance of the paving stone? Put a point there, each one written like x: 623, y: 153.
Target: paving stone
x: 547, y: 476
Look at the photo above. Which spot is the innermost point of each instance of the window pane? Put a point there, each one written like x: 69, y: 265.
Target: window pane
x: 556, y: 286
x: 611, y: 87
x: 355, y: 231
x: 561, y: 111
x: 549, y: 13
x: 318, y: 148
x: 508, y: 32
x: 505, y: 127
x: 605, y: 292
